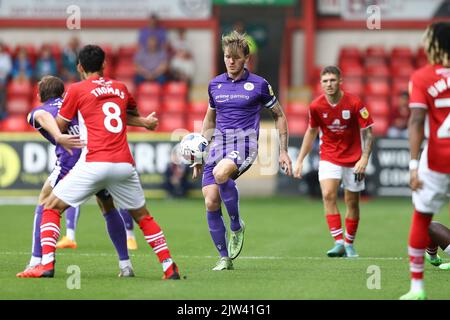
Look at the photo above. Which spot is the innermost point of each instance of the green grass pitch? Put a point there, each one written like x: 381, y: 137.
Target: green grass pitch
x: 283, y: 256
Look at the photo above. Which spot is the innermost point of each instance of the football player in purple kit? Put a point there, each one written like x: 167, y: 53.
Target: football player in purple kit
x: 232, y: 121
x: 67, y: 152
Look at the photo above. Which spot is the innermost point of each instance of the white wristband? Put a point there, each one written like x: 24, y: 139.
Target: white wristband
x: 413, y: 164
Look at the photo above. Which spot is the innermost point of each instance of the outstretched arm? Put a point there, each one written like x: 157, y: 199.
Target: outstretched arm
x: 282, y: 126
x: 305, y: 149
x: 134, y: 119
x: 49, y: 124
x: 416, y: 136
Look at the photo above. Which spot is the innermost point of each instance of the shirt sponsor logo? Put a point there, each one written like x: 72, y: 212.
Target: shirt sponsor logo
x: 336, y: 126
x: 227, y: 97
x: 364, y: 113
x: 345, y: 114
x: 249, y: 86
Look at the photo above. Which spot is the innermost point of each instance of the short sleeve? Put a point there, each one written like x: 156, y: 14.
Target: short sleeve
x: 268, y: 98
x: 31, y: 121
x: 364, y: 118
x: 211, y: 99
x: 131, y: 102
x: 417, y: 97
x: 69, y: 105
x: 313, y: 122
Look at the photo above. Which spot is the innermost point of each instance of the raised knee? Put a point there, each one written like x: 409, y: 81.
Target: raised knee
x: 220, y: 176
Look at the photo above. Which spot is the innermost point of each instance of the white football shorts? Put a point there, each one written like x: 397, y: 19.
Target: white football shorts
x: 87, y: 178
x: 434, y: 193
x: 328, y: 170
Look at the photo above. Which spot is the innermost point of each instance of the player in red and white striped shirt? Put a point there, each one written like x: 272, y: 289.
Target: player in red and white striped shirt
x: 430, y: 176
x: 106, y: 162
x: 343, y: 122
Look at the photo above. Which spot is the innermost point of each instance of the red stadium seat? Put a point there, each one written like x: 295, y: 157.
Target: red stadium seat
x: 109, y: 52
x: 402, y: 52
x: 129, y: 83
x: 16, y: 123
x: 378, y: 106
x: 374, y: 61
x: 19, y: 97
x: 351, y: 70
x: 18, y: 105
x: 421, y: 61
x: 35, y: 102
x: 377, y: 87
x: 297, y: 108
x: 402, y: 70
x: 198, y: 106
x: 169, y: 122
x: 149, y: 89
x: 351, y: 52
x: 297, y: 125
x: 125, y: 71
x: 126, y: 52
x: 400, y: 85
x: 381, y: 126
x: 174, y: 104
x: 376, y: 51
x: 353, y: 85
x: 195, y: 121
x: 20, y: 88
x: 147, y: 105
x: 178, y: 88
x: 421, y: 52
x: 377, y: 71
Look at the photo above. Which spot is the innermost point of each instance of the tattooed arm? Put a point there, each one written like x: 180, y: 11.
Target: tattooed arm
x: 360, y: 166
x: 282, y: 126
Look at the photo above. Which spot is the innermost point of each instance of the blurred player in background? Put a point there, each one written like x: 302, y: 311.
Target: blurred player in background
x: 346, y: 143
x: 41, y: 118
x: 235, y: 101
x: 430, y: 176
x: 103, y: 106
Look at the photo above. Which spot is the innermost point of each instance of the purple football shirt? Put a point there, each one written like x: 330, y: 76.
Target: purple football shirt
x: 66, y: 161
x: 238, y: 104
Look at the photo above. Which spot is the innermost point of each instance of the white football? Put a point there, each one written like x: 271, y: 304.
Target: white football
x: 193, y: 148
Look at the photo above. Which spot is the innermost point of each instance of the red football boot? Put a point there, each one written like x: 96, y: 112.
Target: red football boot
x: 39, y: 271
x: 172, y: 273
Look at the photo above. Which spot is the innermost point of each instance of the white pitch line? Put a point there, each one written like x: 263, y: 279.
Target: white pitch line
x: 212, y: 257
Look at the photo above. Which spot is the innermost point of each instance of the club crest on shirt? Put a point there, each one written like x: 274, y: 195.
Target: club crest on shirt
x: 364, y: 113
x: 345, y: 114
x: 249, y: 86
x: 325, y: 115
x: 219, y: 86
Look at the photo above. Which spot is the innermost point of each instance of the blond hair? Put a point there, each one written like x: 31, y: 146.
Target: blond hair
x: 235, y: 42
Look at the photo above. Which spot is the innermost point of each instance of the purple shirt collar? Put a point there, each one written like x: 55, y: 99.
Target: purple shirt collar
x: 243, y: 78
